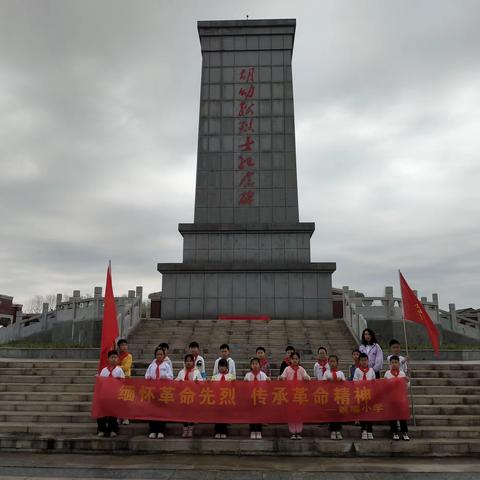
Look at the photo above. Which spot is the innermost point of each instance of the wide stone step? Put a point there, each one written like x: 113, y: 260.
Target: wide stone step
x: 306, y: 447
x: 441, y: 420
x: 42, y: 407
x: 45, y: 417
x: 45, y: 397
x: 41, y: 372
x: 445, y: 390
x: 454, y: 382
x: 465, y: 374
x: 449, y: 410
x: 46, y: 387
x: 447, y: 399
x: 8, y: 379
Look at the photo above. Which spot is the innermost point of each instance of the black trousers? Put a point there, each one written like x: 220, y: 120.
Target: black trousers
x: 335, y: 427
x: 221, y: 429
x: 256, y: 427
x: 107, y: 425
x: 403, y: 426
x: 188, y: 424
x: 157, y: 427
x: 368, y: 426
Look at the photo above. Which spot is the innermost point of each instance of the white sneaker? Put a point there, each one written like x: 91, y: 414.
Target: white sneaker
x: 125, y: 422
x: 190, y: 432
x: 333, y: 436
x: 100, y: 434
x: 253, y: 435
x: 405, y: 437
x: 364, y: 435
x: 217, y: 435
x: 185, y: 432
x: 339, y: 436
x: 370, y: 435
x: 223, y: 436
x: 396, y: 436
x: 293, y: 437
x: 259, y: 435
x: 152, y: 435
x: 299, y: 437
x: 160, y: 435
x: 113, y: 434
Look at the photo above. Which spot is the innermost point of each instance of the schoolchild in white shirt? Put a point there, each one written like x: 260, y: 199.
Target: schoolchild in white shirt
x: 334, y: 375
x: 395, y: 349
x: 396, y: 372
x: 189, y: 373
x: 159, y: 369
x: 322, y: 365
x: 165, y: 347
x: 256, y: 375
x: 194, y: 349
x: 225, y: 354
x: 108, y: 426
x: 223, y: 375
x: 365, y: 373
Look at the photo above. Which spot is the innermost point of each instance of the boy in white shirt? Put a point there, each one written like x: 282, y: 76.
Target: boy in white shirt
x: 395, y: 349
x: 334, y: 375
x: 225, y: 354
x: 321, y: 366
x: 396, y: 372
x: 189, y: 373
x: 194, y: 348
x: 223, y: 375
x: 159, y: 369
x: 364, y: 373
x: 108, y: 426
x: 256, y: 375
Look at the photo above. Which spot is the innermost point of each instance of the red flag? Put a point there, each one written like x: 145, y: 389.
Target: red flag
x: 109, y: 323
x: 414, y: 311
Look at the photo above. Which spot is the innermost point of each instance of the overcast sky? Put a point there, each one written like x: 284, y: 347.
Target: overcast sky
x: 98, y: 134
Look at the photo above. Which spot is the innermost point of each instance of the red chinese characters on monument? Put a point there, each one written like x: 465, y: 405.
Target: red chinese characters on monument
x: 246, y: 162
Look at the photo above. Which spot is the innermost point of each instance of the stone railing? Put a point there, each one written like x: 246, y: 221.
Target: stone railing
x: 359, y: 310
x: 75, y: 321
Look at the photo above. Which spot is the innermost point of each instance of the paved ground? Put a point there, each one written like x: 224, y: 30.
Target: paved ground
x: 16, y: 466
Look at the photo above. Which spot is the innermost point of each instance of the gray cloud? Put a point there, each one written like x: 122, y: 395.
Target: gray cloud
x: 98, y: 134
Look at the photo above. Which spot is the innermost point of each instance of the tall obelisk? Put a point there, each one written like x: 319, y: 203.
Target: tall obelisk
x: 246, y: 252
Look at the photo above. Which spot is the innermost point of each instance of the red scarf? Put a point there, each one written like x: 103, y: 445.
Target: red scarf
x: 255, y: 376
x: 188, y: 371
x: 110, y: 370
x: 296, y: 371
x: 157, y: 371
x: 322, y: 364
x: 223, y: 378
x: 395, y: 373
x: 287, y: 360
x: 365, y: 371
x: 334, y: 374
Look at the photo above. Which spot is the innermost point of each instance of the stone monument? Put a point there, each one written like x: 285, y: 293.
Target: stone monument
x: 246, y: 252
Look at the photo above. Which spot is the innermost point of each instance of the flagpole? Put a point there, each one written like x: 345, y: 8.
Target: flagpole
x: 412, y: 403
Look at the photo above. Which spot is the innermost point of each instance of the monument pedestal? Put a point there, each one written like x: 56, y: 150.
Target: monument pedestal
x: 246, y: 252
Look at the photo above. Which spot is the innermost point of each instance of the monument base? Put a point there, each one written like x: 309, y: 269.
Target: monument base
x: 281, y: 291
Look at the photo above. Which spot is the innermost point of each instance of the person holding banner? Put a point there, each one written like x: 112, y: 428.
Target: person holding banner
x: 108, y: 426
x: 396, y: 372
x: 256, y: 375
x: 159, y: 369
x: 334, y: 375
x: 373, y: 350
x: 194, y: 349
x: 189, y: 373
x: 365, y: 373
x: 322, y: 365
x: 223, y: 375
x: 294, y: 372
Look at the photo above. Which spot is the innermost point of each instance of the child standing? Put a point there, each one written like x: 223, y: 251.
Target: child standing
x: 225, y: 354
x: 223, y: 375
x: 189, y: 373
x: 125, y: 361
x: 294, y: 372
x: 286, y: 361
x: 108, y: 426
x: 373, y: 350
x: 396, y: 372
x: 256, y: 375
x: 395, y: 349
x: 159, y: 369
x: 365, y: 373
x: 194, y: 348
x: 321, y: 366
x: 264, y: 363
x: 355, y: 354
x: 165, y: 347
x: 334, y: 375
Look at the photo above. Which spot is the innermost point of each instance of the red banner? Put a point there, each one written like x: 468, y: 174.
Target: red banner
x: 250, y: 402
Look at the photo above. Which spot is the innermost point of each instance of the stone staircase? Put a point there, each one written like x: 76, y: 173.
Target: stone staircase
x: 45, y: 404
